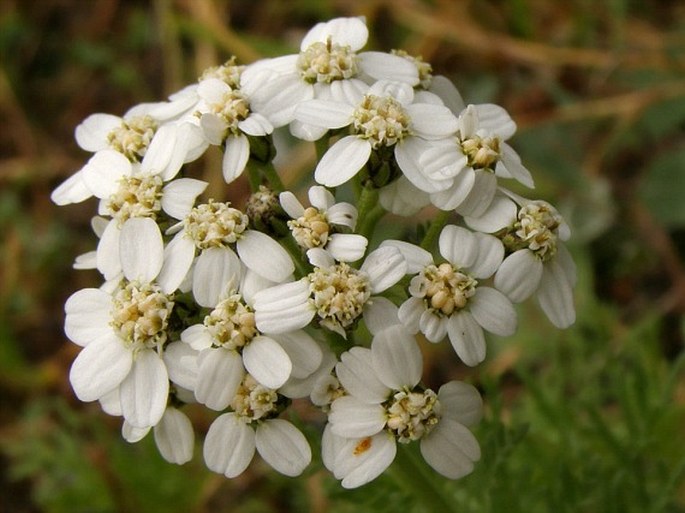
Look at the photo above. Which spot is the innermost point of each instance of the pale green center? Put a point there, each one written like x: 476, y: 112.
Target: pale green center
x: 232, y: 109
x: 443, y: 288
x: 140, y: 314
x: 339, y: 294
x: 132, y: 137
x: 537, y: 228
x: 310, y: 230
x: 424, y: 68
x: 253, y: 401
x: 231, y: 323
x: 327, y: 62
x: 228, y: 72
x: 481, y: 152
x: 214, y: 224
x: 412, y: 415
x: 381, y: 120
x: 137, y: 196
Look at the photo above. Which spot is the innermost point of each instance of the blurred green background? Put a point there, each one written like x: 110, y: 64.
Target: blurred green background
x: 591, y: 419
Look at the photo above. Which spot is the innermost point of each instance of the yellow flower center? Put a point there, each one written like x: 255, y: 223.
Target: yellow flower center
x: 381, y: 120
x: 137, y: 196
x: 327, y: 62
x: 214, y: 224
x: 132, y: 137
x: 412, y: 415
x: 443, y: 288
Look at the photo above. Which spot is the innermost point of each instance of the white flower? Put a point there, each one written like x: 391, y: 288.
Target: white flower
x: 128, y: 191
x: 327, y: 67
x: 471, y: 163
x: 447, y: 299
x: 386, y: 405
x: 315, y: 226
x: 173, y: 434
x: 135, y: 135
x: 334, y: 293
x: 212, y: 228
x: 537, y: 262
x: 226, y: 119
x: 123, y: 332
x: 229, y: 342
x: 233, y: 437
x: 388, y: 116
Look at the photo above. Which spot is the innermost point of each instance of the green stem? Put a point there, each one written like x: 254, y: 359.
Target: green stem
x: 410, y: 473
x: 302, y: 267
x: 436, y: 226
x: 321, y: 146
x: 272, y: 176
x: 368, y: 201
x: 253, y: 175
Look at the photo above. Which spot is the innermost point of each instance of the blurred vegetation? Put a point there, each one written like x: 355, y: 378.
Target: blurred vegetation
x: 591, y: 419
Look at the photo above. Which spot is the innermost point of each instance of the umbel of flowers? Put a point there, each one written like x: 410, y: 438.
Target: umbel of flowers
x: 244, y: 309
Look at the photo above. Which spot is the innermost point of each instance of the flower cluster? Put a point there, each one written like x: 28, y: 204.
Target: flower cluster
x: 246, y: 311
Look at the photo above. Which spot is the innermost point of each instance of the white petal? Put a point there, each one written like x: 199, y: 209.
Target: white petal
x: 342, y: 161
x: 350, y: 32
x: 283, y: 447
x: 133, y: 434
x: 236, y: 155
x: 347, y: 247
x: 217, y: 271
x: 145, y: 391
x: 380, y: 314
x: 343, y: 214
x: 320, y: 258
x: 459, y: 246
x: 166, y: 152
x: 267, y: 361
x: 213, y: 128
x: 519, y: 275
x: 408, y: 154
x: 303, y: 351
x: 490, y: 254
x: 401, y: 91
x: 108, y: 262
x: 396, y: 358
x: 452, y: 197
x: 432, y: 121
x: 385, y: 267
x: 359, y: 377
x: 141, y: 249
x: 291, y: 204
x: 385, y: 66
x: 512, y: 163
x: 500, y: 214
x: 493, y: 311
x: 71, y: 190
x: 467, y: 338
x: 480, y: 196
x: 220, y: 372
x: 417, y: 258
x: 410, y: 313
x: 350, y: 91
x: 494, y: 119
x: 555, y: 295
x: 305, y: 131
x: 103, y: 171
x: 352, y: 418
x: 256, y: 125
x: 567, y: 264
x: 402, y: 198
x: 100, y: 367
x: 178, y: 196
x: 91, y: 133
x: 251, y: 284
x: 264, y: 256
x: 448, y: 93
x: 363, y: 460
x: 461, y: 402
x: 432, y: 326
x: 197, y: 337
x: 325, y: 114
x: 174, y: 437
x: 110, y: 403
x: 181, y: 363
x: 278, y: 98
x: 88, y: 316
x: 451, y: 449
x: 178, y: 259
x: 229, y: 445
x: 282, y: 296
x: 213, y: 90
